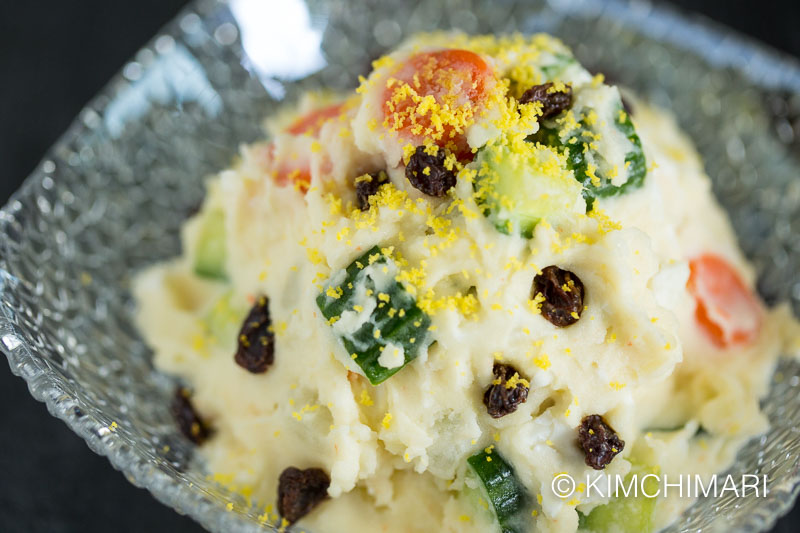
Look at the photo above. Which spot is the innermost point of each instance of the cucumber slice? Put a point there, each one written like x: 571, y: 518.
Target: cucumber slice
x: 578, y: 147
x: 557, y: 65
x: 517, y: 186
x: 375, y: 318
x: 209, y: 252
x: 624, y: 514
x: 506, y: 494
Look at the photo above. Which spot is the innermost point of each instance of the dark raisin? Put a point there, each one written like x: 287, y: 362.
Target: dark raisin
x: 299, y: 491
x: 189, y: 422
x: 428, y: 174
x: 562, y: 292
x: 503, y: 398
x: 599, y: 441
x: 553, y: 102
x: 367, y: 185
x: 256, y: 350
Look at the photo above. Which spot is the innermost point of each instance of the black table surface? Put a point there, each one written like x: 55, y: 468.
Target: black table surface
x: 54, y: 56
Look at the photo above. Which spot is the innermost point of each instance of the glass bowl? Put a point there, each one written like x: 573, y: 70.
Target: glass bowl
x: 110, y: 196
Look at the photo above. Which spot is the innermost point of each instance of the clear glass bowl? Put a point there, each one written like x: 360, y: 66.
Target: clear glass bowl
x: 110, y: 196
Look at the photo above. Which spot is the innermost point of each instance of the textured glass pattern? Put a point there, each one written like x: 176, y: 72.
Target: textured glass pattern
x: 110, y: 196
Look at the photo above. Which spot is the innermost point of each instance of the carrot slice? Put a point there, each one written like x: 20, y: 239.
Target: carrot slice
x: 300, y: 177
x: 311, y: 122
x: 286, y: 171
x: 435, y: 95
x: 299, y: 173
x: 727, y: 310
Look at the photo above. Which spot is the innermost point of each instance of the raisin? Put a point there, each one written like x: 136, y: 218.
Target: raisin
x: 189, y: 422
x: 562, y: 292
x: 428, y: 174
x: 599, y: 441
x: 299, y: 491
x: 367, y: 185
x: 256, y: 350
x: 553, y: 102
x: 503, y: 398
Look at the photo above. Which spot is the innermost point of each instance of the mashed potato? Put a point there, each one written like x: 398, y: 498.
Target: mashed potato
x: 393, y: 247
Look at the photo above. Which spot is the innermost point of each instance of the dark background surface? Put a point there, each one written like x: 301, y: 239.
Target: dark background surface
x: 54, y: 56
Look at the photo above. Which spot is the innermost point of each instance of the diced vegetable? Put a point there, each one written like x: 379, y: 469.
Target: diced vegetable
x: 503, y: 490
x: 589, y: 165
x: 727, y: 310
x: 375, y: 318
x: 559, y: 64
x: 624, y: 514
x: 311, y: 122
x: 458, y: 82
x: 209, y: 252
x: 294, y: 170
x: 297, y: 174
x: 521, y: 185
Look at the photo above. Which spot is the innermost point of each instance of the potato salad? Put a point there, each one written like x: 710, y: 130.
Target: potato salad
x: 413, y: 306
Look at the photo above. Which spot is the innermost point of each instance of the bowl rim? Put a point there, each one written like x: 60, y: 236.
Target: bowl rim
x: 699, y: 35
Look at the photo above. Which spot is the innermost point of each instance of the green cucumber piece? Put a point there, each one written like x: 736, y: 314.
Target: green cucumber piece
x: 374, y: 316
x: 520, y: 186
x: 210, y: 253
x: 634, y: 160
x: 624, y: 514
x: 557, y: 66
x: 577, y: 146
x: 503, y: 490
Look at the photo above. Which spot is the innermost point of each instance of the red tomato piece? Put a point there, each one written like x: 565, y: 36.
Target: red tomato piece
x: 727, y: 310
x: 311, y: 122
x: 458, y: 80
